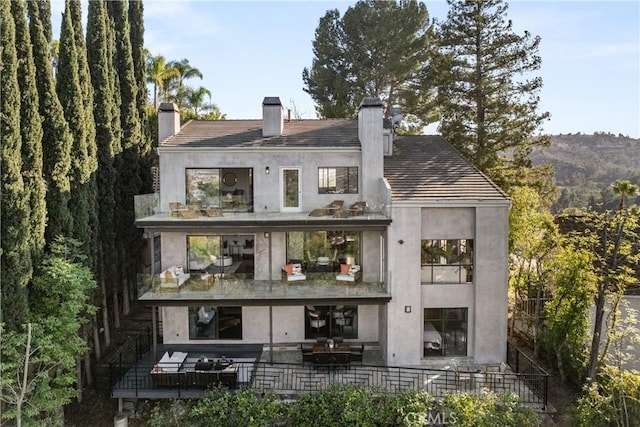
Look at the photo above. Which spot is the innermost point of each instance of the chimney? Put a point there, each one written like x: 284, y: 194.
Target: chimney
x: 370, y: 128
x: 168, y: 121
x: 272, y: 116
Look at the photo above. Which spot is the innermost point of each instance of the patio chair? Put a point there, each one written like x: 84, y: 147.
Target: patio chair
x: 293, y: 272
x: 357, y: 209
x: 188, y: 213
x: 322, y: 360
x: 176, y: 207
x: 357, y: 353
x: 495, y: 372
x: 463, y: 374
x: 341, y: 359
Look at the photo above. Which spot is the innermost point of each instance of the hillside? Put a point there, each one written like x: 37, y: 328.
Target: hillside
x: 586, y: 166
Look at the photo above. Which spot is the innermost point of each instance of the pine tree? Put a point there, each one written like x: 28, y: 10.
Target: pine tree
x: 487, y: 99
x: 107, y: 146
x: 57, y: 140
x: 378, y: 48
x: 31, y: 131
x: 14, y: 234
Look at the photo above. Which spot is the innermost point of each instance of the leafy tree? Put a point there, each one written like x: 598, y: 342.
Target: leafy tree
x: 31, y: 132
x: 378, y: 49
x: 57, y: 139
x: 489, y: 107
x: 39, y: 364
x: 567, y: 314
x: 14, y: 234
x: 532, y: 241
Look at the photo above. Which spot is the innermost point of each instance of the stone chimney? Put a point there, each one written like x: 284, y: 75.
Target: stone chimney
x: 272, y: 116
x: 168, y: 121
x: 370, y: 122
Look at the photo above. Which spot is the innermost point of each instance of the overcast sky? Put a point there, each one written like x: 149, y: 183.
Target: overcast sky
x: 248, y: 50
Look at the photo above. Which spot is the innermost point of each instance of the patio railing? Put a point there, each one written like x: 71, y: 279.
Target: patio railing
x: 536, y: 378
x: 290, y: 380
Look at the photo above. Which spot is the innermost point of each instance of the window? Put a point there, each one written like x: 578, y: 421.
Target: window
x: 445, y: 332
x: 343, y: 180
x: 331, y: 321
x: 447, y: 261
x: 215, y: 323
x: 203, y: 185
x: 323, y: 251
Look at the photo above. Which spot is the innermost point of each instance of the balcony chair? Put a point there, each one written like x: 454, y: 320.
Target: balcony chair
x: 176, y: 207
x: 330, y: 209
x: 293, y: 272
x: 348, y: 273
x: 357, y: 353
x: 307, y: 353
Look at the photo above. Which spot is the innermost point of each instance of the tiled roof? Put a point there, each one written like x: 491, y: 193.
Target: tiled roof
x: 248, y: 133
x: 427, y: 168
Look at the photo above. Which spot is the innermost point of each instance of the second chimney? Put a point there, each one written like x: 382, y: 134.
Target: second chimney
x: 272, y: 116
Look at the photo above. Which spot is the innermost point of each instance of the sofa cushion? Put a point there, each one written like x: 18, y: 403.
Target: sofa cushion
x: 288, y: 268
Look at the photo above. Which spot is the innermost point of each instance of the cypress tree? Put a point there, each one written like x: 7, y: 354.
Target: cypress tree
x: 31, y: 131
x: 57, y: 139
x: 136, y: 36
x: 88, y: 186
x: 69, y: 92
x: 15, y: 265
x: 128, y: 174
x: 106, y: 139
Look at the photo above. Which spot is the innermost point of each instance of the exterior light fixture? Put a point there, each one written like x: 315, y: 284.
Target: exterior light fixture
x: 407, y: 309
x: 266, y: 234
x: 266, y: 170
x: 401, y: 241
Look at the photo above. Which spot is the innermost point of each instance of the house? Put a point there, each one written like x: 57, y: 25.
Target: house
x: 245, y: 202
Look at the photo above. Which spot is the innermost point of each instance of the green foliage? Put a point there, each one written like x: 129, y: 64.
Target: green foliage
x: 343, y: 405
x: 15, y: 267
x: 487, y: 99
x: 613, y: 400
x: 57, y: 139
x: 488, y: 409
x: 377, y: 49
x: 31, y: 132
x: 46, y: 352
x: 567, y: 314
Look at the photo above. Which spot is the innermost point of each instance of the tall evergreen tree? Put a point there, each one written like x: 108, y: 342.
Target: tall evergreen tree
x: 88, y: 186
x: 129, y: 167
x: 488, y: 101
x: 107, y: 143
x: 70, y: 94
x: 136, y: 35
x: 14, y: 234
x: 31, y: 132
x: 378, y: 48
x: 57, y: 139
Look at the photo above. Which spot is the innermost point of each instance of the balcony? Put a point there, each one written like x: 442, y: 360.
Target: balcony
x: 239, y: 291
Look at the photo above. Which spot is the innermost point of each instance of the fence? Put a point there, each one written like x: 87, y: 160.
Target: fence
x: 536, y: 378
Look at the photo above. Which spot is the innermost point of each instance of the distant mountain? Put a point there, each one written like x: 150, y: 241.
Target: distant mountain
x: 586, y: 166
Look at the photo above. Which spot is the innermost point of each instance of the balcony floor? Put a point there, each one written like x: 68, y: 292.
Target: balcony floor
x: 236, y: 291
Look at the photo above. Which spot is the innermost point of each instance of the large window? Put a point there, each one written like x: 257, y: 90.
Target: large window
x: 227, y: 188
x: 211, y: 322
x: 203, y: 185
x: 222, y: 254
x: 331, y: 321
x: 447, y: 261
x: 445, y: 332
x: 323, y: 251
x: 338, y: 180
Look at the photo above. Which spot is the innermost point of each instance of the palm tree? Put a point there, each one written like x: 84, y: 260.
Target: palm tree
x: 195, y: 98
x: 624, y: 189
x: 158, y: 71
x: 185, y: 71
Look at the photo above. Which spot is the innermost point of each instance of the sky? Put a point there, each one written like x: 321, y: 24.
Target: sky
x: 247, y: 50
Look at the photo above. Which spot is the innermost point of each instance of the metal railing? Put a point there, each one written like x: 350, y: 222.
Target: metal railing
x: 289, y: 380
x: 535, y: 378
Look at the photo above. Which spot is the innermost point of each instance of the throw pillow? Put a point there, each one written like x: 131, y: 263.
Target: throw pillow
x: 288, y: 268
x: 344, y: 268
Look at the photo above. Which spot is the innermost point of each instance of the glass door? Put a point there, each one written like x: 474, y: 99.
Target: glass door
x: 290, y: 190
